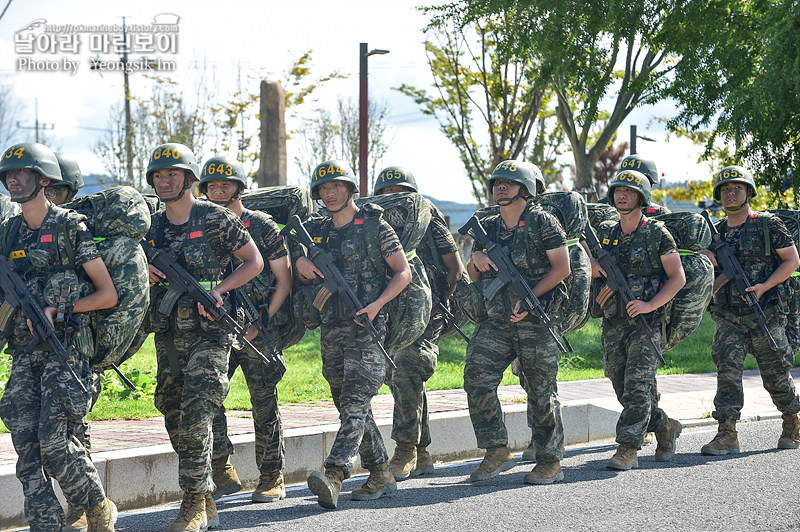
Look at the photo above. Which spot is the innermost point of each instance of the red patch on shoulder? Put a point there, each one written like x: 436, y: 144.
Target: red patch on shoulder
x: 753, y: 215
x: 195, y: 234
x: 358, y: 221
x: 46, y: 238
x: 521, y: 223
x: 247, y: 223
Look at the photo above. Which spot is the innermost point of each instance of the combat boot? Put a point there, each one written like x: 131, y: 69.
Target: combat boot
x: 212, y: 517
x: 544, y: 473
x: 102, y: 517
x: 625, y: 458
x: 725, y: 442
x: 497, y: 460
x: 379, y: 483
x: 192, y: 514
x: 76, y: 520
x: 790, y: 438
x: 225, y: 477
x: 270, y: 487
x: 666, y: 438
x: 529, y: 454
x: 424, y: 462
x: 404, y: 460
x: 327, y: 487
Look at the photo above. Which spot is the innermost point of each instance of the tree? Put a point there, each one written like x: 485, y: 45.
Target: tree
x: 336, y: 136
x: 739, y: 80
x: 486, y: 104
x: 9, y: 114
x: 592, y: 53
x: 608, y: 163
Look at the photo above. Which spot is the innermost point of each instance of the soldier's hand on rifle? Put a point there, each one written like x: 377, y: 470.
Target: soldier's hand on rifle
x: 50, y: 312
x: 518, y: 314
x: 597, y: 270
x: 156, y: 275
x: 370, y: 310
x: 202, y: 310
x: 252, y: 332
x: 711, y: 256
x: 482, y: 262
x: 306, y: 271
x: 637, y: 306
x: 759, y: 289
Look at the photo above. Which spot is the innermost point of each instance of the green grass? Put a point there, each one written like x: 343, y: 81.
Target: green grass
x: 303, y: 381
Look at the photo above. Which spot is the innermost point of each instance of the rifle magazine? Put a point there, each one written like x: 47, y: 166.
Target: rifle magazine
x: 322, y: 298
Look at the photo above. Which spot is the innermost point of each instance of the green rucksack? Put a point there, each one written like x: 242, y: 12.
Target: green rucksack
x: 601, y: 212
x: 8, y: 208
x: 118, y: 218
x: 792, y: 220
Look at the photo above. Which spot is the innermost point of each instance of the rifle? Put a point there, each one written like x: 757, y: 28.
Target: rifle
x: 180, y: 282
x: 17, y: 295
x: 507, y: 273
x: 616, y: 283
x: 448, y: 316
x: 332, y: 282
x: 732, y: 270
x: 253, y: 317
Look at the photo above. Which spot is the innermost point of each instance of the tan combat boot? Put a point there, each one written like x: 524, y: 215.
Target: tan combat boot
x: 225, y: 477
x: 424, y: 462
x: 529, y: 454
x: 76, y: 520
x: 327, y: 487
x: 625, y: 458
x: 666, y: 438
x: 192, y: 514
x: 790, y: 438
x: 270, y: 488
x: 102, y: 517
x: 404, y: 460
x: 212, y: 516
x: 544, y: 473
x: 725, y: 442
x: 497, y: 460
x: 379, y: 483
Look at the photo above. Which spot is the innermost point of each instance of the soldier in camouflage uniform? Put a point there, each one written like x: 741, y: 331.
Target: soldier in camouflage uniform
x: 538, y: 247
x: 55, y: 254
x: 351, y: 361
x: 222, y: 181
x: 766, y: 251
x: 417, y: 362
x: 629, y: 359
x: 646, y: 167
x: 191, y: 349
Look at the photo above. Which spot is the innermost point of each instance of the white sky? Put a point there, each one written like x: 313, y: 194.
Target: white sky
x: 266, y: 36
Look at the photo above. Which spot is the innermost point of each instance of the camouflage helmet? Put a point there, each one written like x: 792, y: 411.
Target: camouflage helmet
x: 70, y: 172
x: 395, y: 175
x: 223, y: 168
x: 172, y: 155
x: 733, y: 174
x: 30, y: 155
x: 329, y: 171
x: 631, y: 179
x: 644, y: 166
x: 518, y: 172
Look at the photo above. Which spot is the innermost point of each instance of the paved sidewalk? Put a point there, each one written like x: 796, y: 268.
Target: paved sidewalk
x: 685, y: 397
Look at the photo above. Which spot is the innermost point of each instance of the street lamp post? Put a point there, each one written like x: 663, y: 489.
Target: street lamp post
x: 363, y: 115
x: 634, y: 136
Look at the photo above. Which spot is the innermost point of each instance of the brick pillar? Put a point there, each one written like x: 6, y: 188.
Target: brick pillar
x: 272, y: 171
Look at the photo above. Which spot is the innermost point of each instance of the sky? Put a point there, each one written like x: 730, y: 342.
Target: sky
x: 256, y: 37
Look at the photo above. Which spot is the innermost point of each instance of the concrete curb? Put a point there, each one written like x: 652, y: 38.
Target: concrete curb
x: 147, y: 476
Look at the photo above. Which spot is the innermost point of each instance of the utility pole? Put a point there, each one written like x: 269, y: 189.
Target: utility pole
x: 36, y: 124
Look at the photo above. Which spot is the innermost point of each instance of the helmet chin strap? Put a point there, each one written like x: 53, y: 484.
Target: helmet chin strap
x: 740, y: 207
x: 226, y: 203
x: 26, y: 199
x: 504, y: 202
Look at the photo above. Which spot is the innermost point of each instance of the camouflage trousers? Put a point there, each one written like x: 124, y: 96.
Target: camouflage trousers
x: 493, y: 346
x: 415, y: 365
x: 189, y: 399
x: 262, y: 381
x: 354, y: 367
x: 85, y: 432
x: 631, y: 363
x: 43, y: 408
x: 732, y: 342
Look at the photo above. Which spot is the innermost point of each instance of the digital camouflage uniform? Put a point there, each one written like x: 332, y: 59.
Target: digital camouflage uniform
x: 43, y: 406
x: 497, y: 341
x: 192, y: 351
x: 417, y: 362
x: 737, y: 331
x: 262, y: 379
x: 352, y: 363
x: 629, y: 359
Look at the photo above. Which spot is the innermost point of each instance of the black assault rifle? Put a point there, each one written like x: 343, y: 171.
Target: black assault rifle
x: 616, y: 284
x: 18, y: 296
x: 180, y: 282
x: 253, y: 317
x: 507, y: 273
x: 732, y: 270
x: 448, y: 316
x: 332, y: 282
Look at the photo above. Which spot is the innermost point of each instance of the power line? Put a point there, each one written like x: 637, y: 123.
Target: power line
x: 4, y: 10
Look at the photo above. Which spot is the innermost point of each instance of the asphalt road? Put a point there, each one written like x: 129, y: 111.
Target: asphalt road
x: 756, y: 490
